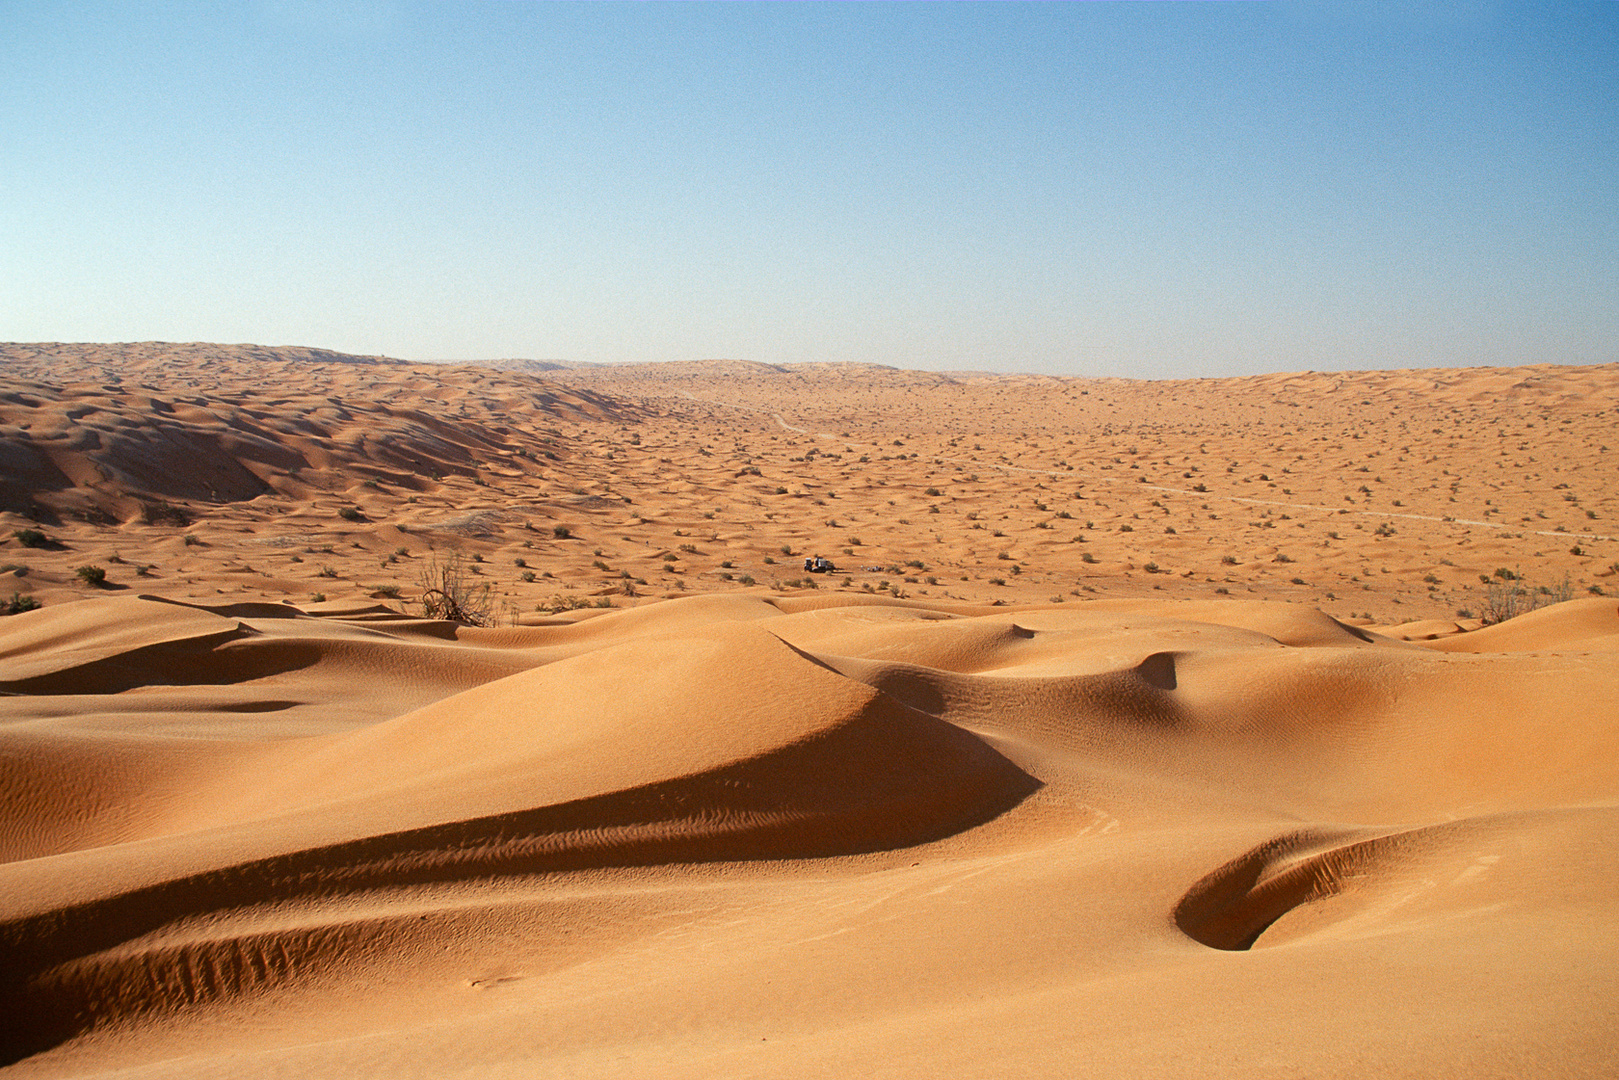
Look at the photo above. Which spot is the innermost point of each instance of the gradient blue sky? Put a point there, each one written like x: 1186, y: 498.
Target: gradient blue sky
x: 1145, y: 189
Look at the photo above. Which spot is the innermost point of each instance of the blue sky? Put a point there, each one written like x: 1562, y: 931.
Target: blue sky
x: 1142, y: 189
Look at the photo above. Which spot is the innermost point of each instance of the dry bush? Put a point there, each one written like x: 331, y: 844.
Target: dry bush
x: 1508, y: 596
x: 448, y: 592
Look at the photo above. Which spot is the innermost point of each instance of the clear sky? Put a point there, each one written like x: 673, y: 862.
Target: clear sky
x: 1145, y: 189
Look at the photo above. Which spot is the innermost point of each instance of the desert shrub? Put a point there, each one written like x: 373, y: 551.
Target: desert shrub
x: 1508, y: 596
x: 932, y: 493
x: 1151, y: 568
x: 317, y: 598
x: 18, y: 604
x: 447, y: 592
x: 327, y: 571
x: 527, y: 575
x: 1087, y: 557
x: 31, y: 538
x: 351, y: 513
x: 162, y: 513
x: 92, y: 575
x: 997, y: 581
x: 573, y: 603
x: 390, y: 592
x: 561, y: 532
x: 745, y: 579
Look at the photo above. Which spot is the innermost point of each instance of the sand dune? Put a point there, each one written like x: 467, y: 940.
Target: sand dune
x: 789, y: 775
x: 1201, y: 823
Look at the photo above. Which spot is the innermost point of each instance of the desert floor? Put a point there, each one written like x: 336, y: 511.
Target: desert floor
x: 1146, y: 729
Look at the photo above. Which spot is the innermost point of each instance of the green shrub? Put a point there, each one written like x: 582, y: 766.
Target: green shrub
x: 92, y: 575
x: 18, y: 604
x: 31, y: 538
x: 351, y: 513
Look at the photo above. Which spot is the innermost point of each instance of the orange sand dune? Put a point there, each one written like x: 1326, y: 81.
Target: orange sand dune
x: 796, y: 835
x: 1259, y: 727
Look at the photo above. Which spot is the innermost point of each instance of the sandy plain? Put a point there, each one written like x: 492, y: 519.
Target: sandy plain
x: 1148, y: 729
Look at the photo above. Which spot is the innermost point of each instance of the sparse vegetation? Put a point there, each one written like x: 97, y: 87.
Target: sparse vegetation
x: 94, y: 576
x: 32, y: 538
x: 18, y: 604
